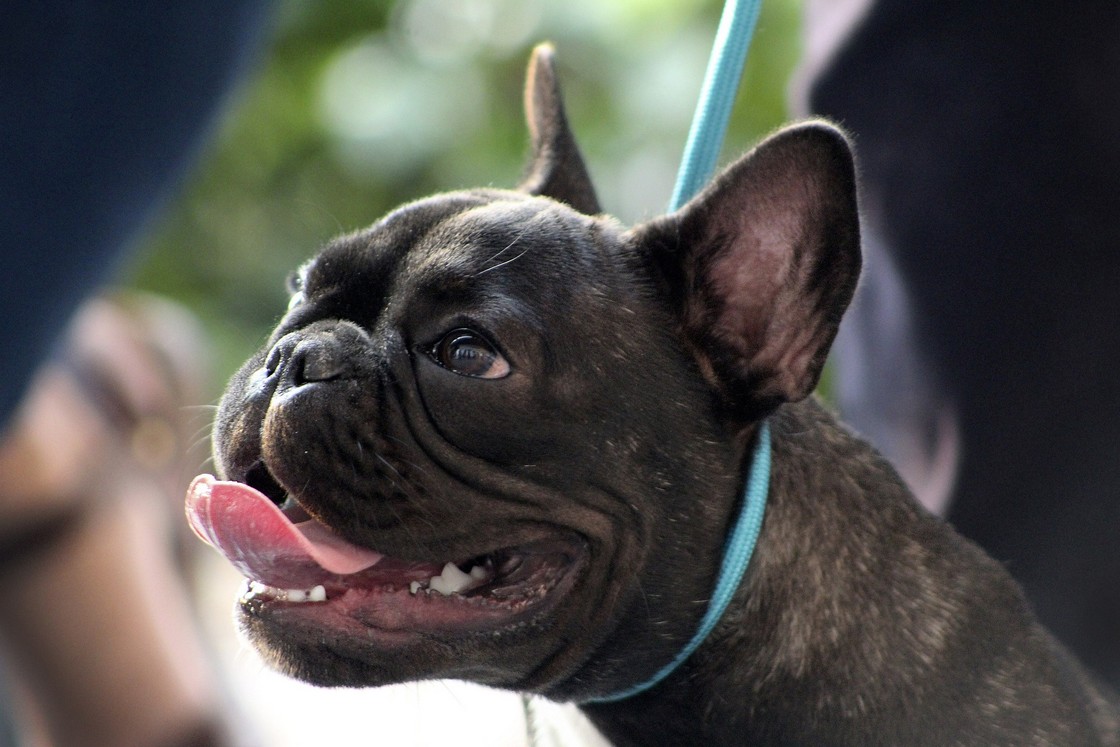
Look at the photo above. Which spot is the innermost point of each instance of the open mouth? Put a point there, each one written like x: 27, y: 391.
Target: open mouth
x: 294, y: 562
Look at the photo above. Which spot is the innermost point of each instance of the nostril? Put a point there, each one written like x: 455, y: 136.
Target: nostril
x: 304, y: 359
x: 316, y: 359
x: 274, y: 360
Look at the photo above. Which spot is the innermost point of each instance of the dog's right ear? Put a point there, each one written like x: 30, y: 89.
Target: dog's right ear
x: 761, y: 265
x: 556, y: 168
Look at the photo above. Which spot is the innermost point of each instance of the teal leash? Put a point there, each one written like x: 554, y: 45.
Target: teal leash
x: 717, y: 95
x: 705, y: 138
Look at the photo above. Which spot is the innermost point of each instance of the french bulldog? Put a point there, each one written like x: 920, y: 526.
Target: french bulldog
x: 499, y: 437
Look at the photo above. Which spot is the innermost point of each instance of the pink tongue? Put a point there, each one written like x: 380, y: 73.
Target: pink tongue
x: 259, y: 540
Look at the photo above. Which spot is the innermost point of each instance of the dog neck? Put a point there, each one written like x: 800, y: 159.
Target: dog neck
x: 736, y: 558
x: 839, y: 617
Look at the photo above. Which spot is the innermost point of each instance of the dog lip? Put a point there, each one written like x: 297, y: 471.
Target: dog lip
x: 382, y: 598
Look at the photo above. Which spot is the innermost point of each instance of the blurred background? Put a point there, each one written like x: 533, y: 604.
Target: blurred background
x: 358, y: 106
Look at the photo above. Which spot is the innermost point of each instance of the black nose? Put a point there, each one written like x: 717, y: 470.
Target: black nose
x: 300, y: 360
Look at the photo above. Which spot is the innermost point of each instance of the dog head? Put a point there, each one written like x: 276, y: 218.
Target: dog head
x: 502, y: 437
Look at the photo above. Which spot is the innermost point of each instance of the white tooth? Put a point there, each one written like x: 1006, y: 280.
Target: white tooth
x: 450, y: 581
x: 479, y: 573
x: 414, y: 587
x: 316, y: 594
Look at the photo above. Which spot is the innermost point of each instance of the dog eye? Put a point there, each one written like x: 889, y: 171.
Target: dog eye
x: 469, y: 354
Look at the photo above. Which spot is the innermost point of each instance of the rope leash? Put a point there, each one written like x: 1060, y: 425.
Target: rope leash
x: 717, y: 95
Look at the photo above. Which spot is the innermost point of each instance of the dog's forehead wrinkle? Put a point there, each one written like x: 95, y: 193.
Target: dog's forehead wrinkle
x: 579, y: 246
x: 496, y: 234
x: 381, y: 246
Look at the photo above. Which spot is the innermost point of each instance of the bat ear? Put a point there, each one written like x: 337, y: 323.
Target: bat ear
x: 762, y: 264
x: 556, y: 168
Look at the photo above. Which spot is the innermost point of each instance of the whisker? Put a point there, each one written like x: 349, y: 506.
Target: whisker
x: 406, y: 463
x: 202, y: 433
x: 503, y: 264
x: 403, y: 488
x: 509, y: 246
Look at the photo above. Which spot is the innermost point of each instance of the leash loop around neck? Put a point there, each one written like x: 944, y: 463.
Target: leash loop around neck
x: 736, y: 557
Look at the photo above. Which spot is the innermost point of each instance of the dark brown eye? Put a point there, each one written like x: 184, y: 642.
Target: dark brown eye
x: 469, y: 354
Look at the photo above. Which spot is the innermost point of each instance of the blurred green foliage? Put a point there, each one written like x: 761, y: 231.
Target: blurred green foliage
x: 359, y: 105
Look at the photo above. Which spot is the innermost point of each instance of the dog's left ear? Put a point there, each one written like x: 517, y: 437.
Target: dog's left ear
x: 556, y: 168
x: 762, y: 264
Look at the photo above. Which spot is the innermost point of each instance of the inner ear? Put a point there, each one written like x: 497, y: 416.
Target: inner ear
x: 762, y: 264
x: 556, y: 168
